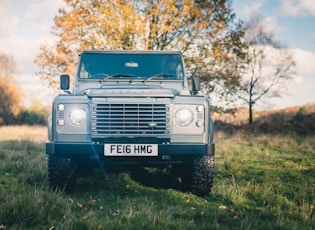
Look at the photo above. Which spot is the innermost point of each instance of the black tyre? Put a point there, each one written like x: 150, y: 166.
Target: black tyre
x: 199, y: 175
x: 61, y: 174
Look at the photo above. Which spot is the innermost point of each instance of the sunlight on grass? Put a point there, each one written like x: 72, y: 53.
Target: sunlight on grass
x: 31, y: 133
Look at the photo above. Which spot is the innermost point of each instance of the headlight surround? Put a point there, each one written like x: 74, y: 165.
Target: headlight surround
x: 184, y: 117
x: 188, y: 119
x: 78, y: 116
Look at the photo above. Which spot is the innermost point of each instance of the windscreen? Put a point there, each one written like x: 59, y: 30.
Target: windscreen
x: 131, y: 66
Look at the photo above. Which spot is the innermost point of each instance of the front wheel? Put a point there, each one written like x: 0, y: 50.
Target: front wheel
x: 198, y: 175
x: 61, y: 174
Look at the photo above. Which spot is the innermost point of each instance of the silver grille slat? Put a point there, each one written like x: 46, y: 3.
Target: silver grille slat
x: 130, y: 119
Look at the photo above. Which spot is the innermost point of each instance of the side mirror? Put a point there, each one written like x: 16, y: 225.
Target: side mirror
x: 195, y: 84
x: 64, y: 82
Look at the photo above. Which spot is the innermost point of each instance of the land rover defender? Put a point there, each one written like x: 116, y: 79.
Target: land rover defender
x: 131, y: 108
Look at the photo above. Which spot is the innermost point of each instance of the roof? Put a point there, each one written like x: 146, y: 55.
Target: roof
x: 130, y: 52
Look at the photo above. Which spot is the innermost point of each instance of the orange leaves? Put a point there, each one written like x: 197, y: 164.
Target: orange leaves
x: 149, y: 24
x: 223, y: 207
x: 10, y: 98
x: 95, y: 203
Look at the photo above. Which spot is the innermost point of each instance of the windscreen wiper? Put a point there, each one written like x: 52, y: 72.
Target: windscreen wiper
x: 117, y: 75
x: 159, y: 75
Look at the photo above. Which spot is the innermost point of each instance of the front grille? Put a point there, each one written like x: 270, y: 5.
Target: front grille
x: 130, y: 120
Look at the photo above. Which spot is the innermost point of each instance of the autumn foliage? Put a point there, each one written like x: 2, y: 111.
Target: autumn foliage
x: 11, y: 98
x: 10, y: 93
x: 201, y: 30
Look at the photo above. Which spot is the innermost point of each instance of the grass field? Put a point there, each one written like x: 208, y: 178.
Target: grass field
x: 262, y: 182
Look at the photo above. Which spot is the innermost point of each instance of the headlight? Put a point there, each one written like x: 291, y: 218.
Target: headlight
x: 184, y: 117
x: 77, y: 116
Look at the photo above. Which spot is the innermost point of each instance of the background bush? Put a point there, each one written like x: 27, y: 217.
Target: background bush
x: 293, y: 120
x: 31, y: 117
x: 37, y: 114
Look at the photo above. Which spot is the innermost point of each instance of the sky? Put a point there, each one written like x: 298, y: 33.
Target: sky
x: 25, y: 25
x: 293, y: 24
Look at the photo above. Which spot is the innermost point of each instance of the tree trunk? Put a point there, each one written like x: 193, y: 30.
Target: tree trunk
x: 250, y: 119
x: 250, y: 106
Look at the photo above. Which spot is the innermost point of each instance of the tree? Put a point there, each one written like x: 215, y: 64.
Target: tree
x: 7, y: 65
x: 225, y: 70
x: 10, y: 94
x: 267, y: 66
x: 201, y: 30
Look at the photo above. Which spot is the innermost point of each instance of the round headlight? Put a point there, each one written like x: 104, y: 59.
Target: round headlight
x: 77, y: 116
x: 184, y: 117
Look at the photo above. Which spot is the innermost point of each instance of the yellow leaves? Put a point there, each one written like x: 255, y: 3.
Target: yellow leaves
x: 165, y: 24
x: 10, y: 97
x: 93, y: 203
x: 187, y: 7
x: 223, y: 207
x: 10, y: 94
x: 119, y: 25
x: 116, y: 213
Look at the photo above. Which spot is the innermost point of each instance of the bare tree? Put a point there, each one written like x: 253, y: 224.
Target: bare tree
x: 267, y: 66
x: 7, y: 65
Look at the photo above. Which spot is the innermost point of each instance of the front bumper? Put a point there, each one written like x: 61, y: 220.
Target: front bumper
x: 92, y: 149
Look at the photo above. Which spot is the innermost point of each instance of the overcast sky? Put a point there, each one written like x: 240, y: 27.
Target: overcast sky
x: 25, y: 25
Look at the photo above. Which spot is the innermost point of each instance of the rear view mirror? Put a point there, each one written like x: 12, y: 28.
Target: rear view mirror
x: 64, y: 82
x: 195, y: 84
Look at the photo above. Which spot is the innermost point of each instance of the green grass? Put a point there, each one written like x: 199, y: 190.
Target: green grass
x: 261, y: 182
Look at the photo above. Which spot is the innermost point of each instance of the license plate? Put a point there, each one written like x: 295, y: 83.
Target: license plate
x: 130, y: 149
